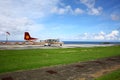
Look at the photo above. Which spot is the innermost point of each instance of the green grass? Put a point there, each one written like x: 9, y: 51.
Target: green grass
x: 115, y: 75
x: 13, y: 60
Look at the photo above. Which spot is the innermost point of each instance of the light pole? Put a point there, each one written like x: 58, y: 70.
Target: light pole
x: 7, y: 33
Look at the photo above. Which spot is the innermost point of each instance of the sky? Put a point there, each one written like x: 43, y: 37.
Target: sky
x: 67, y: 20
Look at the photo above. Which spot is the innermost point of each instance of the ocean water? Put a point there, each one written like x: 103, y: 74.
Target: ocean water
x: 89, y: 42
x: 80, y: 42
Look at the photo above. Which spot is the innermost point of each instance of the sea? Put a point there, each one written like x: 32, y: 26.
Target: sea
x: 90, y: 42
x: 81, y: 42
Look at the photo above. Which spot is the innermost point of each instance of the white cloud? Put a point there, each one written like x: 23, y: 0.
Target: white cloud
x: 27, y: 8
x: 67, y: 10
x: 14, y: 24
x: 113, y: 35
x: 102, y: 33
x: 88, y: 3
x: 17, y: 16
x: 95, y: 11
x: 63, y: 10
x: 115, y: 17
x: 91, y: 9
x: 78, y: 11
x: 100, y: 36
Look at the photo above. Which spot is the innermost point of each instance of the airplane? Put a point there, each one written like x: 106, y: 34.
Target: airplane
x: 47, y: 42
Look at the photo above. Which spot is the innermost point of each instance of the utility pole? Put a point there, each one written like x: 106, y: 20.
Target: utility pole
x: 7, y: 33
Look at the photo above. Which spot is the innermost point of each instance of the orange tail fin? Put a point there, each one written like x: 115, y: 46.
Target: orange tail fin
x: 28, y: 37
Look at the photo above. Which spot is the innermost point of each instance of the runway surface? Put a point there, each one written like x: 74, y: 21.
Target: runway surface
x: 8, y: 47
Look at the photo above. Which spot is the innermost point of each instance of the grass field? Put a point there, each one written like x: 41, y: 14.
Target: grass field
x: 13, y: 60
x: 115, y: 75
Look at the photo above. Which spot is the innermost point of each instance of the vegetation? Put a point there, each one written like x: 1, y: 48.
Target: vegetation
x: 115, y: 75
x: 12, y: 60
x: 106, y: 42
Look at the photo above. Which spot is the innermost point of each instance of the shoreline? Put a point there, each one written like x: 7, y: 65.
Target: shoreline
x: 12, y: 47
x: 88, y: 45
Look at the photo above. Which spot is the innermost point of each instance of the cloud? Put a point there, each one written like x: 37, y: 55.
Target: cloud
x: 62, y: 10
x: 26, y: 8
x: 115, y: 17
x: 88, y: 3
x: 91, y: 9
x: 17, y: 16
x: 100, y: 36
x: 67, y: 10
x: 95, y: 11
x: 15, y: 25
x: 113, y: 35
x: 78, y: 11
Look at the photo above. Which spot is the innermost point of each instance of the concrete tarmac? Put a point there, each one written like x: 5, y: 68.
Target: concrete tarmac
x: 9, y: 47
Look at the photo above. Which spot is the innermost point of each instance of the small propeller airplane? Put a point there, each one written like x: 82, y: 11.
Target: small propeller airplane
x: 47, y: 42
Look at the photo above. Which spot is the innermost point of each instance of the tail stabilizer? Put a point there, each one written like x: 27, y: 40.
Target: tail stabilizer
x: 28, y: 37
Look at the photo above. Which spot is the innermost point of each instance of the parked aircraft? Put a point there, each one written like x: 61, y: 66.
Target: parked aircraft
x: 47, y: 42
